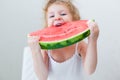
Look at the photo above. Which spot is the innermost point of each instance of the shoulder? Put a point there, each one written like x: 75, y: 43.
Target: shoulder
x: 44, y: 51
x: 44, y: 54
x: 82, y: 47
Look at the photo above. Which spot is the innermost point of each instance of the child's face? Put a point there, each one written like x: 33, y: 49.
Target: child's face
x: 58, y: 14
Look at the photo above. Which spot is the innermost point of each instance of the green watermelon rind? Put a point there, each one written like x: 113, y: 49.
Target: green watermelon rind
x: 65, y: 42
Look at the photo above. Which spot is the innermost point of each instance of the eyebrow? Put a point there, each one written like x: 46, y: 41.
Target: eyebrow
x: 63, y: 11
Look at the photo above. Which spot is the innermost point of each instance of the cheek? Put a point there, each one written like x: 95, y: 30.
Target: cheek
x: 69, y: 18
x: 49, y: 22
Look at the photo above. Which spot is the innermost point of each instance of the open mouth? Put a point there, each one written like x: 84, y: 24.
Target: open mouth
x: 58, y: 23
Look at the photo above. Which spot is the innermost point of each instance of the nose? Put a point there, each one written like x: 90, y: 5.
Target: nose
x: 57, y: 17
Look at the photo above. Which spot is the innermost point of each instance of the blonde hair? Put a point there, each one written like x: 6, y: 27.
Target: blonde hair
x: 73, y: 10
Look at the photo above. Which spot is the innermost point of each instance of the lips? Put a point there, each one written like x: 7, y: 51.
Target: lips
x: 58, y: 23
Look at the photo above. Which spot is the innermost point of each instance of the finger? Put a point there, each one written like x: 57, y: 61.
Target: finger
x: 33, y: 39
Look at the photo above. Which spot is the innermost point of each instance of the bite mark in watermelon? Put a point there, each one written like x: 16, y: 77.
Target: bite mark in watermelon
x: 62, y: 36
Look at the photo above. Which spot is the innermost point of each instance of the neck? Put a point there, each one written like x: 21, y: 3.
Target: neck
x: 63, y: 54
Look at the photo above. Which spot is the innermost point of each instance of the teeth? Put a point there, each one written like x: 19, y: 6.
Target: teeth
x: 58, y: 23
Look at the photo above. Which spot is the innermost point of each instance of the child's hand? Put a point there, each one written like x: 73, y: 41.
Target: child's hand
x: 33, y: 42
x: 94, y: 30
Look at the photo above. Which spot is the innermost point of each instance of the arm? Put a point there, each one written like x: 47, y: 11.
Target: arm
x: 39, y: 64
x: 90, y: 60
x: 89, y: 51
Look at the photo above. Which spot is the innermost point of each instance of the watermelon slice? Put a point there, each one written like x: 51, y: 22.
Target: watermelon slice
x: 62, y: 36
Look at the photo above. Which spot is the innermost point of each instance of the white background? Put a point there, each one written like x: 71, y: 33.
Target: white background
x: 19, y: 17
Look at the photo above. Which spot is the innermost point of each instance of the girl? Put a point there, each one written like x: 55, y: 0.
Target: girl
x: 68, y: 63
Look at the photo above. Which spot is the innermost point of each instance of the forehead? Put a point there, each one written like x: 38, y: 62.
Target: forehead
x: 57, y: 7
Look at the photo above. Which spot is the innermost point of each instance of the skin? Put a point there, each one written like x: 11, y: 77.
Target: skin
x: 59, y: 14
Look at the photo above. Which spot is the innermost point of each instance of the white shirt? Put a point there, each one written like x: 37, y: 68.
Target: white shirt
x: 71, y: 69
